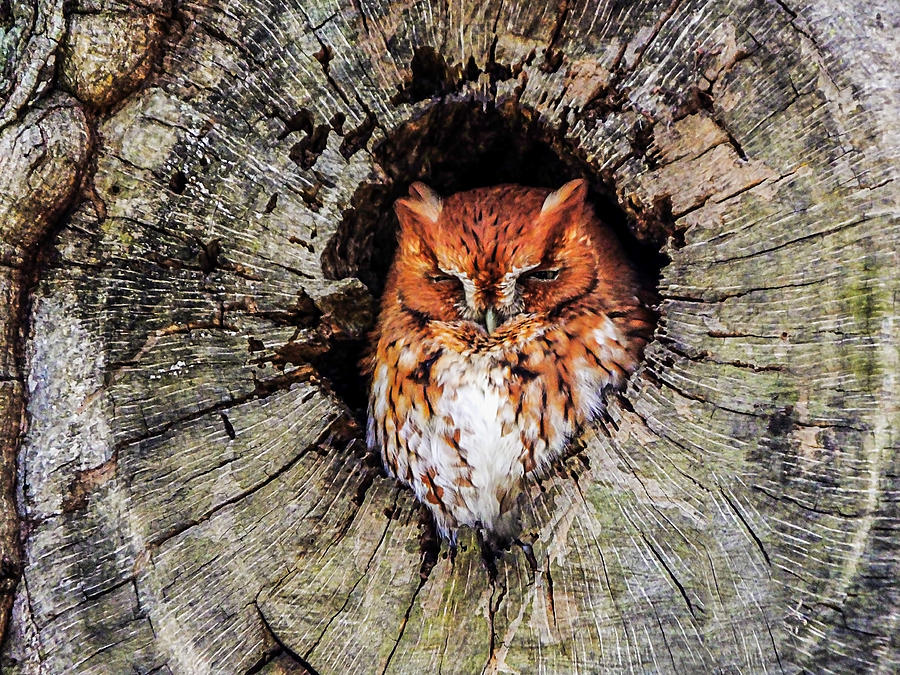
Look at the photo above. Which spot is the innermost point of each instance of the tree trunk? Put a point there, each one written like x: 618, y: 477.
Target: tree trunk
x: 195, y: 224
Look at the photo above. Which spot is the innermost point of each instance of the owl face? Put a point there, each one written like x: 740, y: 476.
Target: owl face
x: 490, y: 255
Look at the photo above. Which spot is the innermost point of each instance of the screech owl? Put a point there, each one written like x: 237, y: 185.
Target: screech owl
x: 506, y: 313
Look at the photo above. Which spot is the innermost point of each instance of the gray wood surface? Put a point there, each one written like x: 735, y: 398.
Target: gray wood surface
x: 194, y: 205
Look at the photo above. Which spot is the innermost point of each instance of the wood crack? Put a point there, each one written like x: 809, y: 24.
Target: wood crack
x: 669, y: 573
x: 112, y: 588
x: 662, y: 632
x: 609, y: 588
x: 720, y: 297
x: 678, y: 444
x: 703, y: 356
x: 657, y: 27
x: 218, y: 34
x: 403, y: 623
x: 323, y: 62
x: 750, y: 530
x: 362, y: 576
x: 493, y: 608
x: 807, y: 237
x: 550, y: 598
x: 264, y: 389
x: 806, y: 507
x: 176, y: 530
x: 282, y: 646
x: 553, y: 59
x: 772, y: 640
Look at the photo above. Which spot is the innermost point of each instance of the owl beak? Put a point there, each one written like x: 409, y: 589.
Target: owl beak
x: 490, y: 320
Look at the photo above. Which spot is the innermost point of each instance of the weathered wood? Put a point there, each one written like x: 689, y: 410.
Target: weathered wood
x: 41, y: 161
x: 185, y: 308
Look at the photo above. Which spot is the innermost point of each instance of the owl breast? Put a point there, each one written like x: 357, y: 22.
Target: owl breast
x: 464, y: 432
x: 465, y: 449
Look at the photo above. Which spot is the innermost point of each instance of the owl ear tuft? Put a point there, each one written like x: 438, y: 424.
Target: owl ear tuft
x: 571, y: 194
x: 423, y: 205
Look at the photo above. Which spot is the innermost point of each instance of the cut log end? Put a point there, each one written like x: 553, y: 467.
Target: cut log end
x: 203, y: 250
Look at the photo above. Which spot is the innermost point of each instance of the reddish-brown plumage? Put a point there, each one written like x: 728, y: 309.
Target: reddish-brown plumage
x: 506, y: 312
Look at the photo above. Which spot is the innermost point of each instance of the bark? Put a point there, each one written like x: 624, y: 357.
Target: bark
x: 194, y: 225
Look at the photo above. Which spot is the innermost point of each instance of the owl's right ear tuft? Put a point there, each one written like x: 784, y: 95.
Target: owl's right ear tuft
x: 422, y: 207
x: 571, y: 194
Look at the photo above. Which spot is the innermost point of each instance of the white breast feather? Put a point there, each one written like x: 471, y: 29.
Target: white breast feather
x: 476, y: 398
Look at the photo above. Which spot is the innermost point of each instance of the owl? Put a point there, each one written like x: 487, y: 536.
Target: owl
x: 506, y: 313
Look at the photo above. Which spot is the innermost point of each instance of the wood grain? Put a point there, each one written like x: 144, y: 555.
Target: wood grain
x: 183, y: 307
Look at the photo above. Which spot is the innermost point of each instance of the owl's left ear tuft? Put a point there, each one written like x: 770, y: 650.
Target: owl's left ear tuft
x: 569, y: 195
x: 423, y: 204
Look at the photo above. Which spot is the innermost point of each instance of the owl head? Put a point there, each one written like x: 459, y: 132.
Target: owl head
x: 490, y: 254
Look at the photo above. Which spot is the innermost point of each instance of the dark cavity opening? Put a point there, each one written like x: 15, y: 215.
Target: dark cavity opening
x: 460, y: 145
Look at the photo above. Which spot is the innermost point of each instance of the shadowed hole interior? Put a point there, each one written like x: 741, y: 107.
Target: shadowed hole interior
x: 456, y: 146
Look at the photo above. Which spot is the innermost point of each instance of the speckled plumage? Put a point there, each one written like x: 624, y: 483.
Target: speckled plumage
x: 506, y: 313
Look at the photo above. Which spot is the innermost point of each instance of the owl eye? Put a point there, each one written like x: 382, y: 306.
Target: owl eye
x: 442, y: 278
x: 541, y: 275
